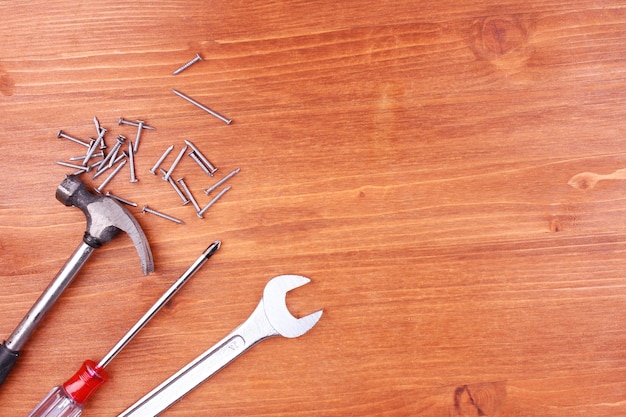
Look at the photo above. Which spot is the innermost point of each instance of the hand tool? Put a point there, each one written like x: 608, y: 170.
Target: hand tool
x: 105, y: 219
x: 270, y: 318
x: 68, y: 399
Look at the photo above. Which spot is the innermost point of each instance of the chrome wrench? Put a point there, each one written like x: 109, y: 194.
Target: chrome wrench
x: 270, y: 318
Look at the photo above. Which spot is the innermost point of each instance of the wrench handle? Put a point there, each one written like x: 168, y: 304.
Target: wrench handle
x: 204, y: 366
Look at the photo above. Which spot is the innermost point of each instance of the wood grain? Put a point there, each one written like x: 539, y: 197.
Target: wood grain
x: 420, y: 161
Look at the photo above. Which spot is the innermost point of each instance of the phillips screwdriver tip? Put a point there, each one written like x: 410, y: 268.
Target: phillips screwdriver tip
x: 213, y: 247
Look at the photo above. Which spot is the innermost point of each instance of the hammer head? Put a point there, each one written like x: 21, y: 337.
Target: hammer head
x: 105, y: 219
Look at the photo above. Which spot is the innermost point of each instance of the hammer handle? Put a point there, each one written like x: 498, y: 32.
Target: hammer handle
x: 9, y: 350
x: 7, y: 360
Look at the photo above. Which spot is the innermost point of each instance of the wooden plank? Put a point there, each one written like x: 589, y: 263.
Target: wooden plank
x: 430, y: 166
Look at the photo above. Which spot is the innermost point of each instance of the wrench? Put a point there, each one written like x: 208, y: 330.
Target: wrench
x: 270, y: 318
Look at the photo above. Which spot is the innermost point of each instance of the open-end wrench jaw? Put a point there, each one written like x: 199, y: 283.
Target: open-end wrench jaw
x: 276, y: 311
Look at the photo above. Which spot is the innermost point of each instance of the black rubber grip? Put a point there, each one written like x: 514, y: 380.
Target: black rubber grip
x: 8, y: 358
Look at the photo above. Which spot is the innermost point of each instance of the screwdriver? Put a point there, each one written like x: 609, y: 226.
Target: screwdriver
x: 68, y: 399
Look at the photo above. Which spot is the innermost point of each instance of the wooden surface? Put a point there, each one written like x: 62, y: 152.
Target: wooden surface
x: 417, y: 160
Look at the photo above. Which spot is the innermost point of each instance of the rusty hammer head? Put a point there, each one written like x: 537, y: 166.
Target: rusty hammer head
x: 105, y: 218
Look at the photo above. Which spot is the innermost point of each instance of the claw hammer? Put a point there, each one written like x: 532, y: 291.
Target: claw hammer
x: 105, y: 219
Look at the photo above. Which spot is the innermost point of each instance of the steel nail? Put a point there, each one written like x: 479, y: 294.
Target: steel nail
x: 110, y: 177
x: 161, y: 159
x: 131, y: 158
x: 82, y: 157
x: 146, y: 209
x: 111, y: 155
x: 176, y: 188
x: 74, y: 166
x: 120, y: 199
x: 94, y: 165
x: 176, y: 161
x: 195, y: 157
x: 217, y: 197
x: 61, y: 134
x: 123, y: 121
x: 104, y: 167
x: 222, y: 181
x: 197, y: 58
x: 79, y: 172
x: 91, y: 150
x: 187, y: 191
x: 115, y: 150
x: 139, y: 129
x: 103, y: 132
x: 203, y: 107
x: 97, y: 123
x: 205, y: 162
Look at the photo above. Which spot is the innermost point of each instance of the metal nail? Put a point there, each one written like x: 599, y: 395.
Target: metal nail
x: 74, y: 166
x: 139, y: 129
x: 110, y: 177
x: 104, y: 167
x: 217, y: 197
x: 115, y: 150
x: 204, y: 159
x: 187, y: 191
x: 83, y: 168
x: 222, y: 181
x: 123, y: 121
x: 94, y: 165
x: 120, y: 199
x: 131, y: 158
x: 176, y: 188
x: 79, y: 172
x: 103, y: 132
x: 82, y: 157
x: 161, y: 159
x: 211, y: 169
x: 203, y: 107
x: 197, y: 58
x: 145, y: 209
x: 61, y: 134
x: 120, y: 157
x: 195, y: 157
x: 91, y: 150
x: 97, y: 123
x: 176, y: 161
x: 111, y: 155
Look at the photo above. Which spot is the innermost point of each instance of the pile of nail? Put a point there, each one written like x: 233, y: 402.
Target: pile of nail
x: 97, y: 149
x: 116, y: 158
x: 107, y: 160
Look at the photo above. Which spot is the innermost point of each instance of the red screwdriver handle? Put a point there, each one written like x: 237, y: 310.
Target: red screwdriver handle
x: 85, y: 382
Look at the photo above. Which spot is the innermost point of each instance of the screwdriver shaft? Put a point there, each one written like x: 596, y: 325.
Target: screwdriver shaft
x: 213, y: 247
